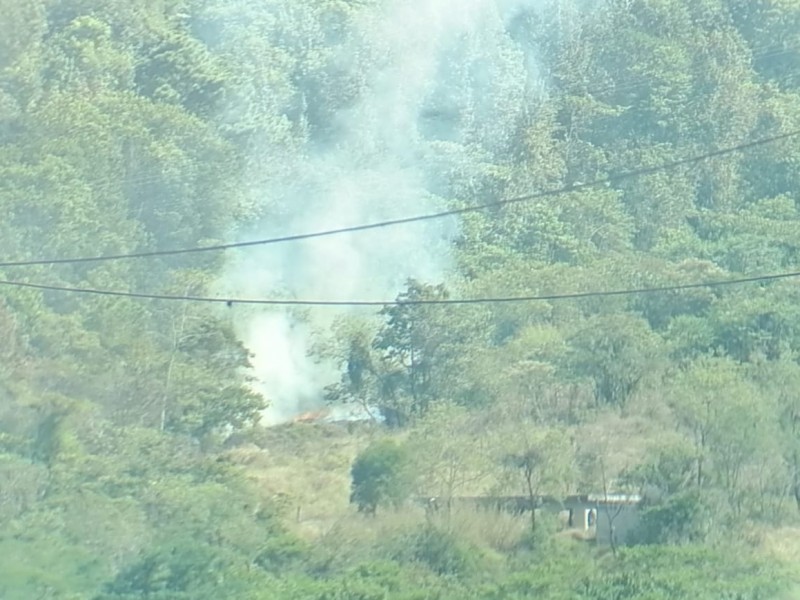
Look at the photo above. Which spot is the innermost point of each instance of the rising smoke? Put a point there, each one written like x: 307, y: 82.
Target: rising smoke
x: 440, y: 88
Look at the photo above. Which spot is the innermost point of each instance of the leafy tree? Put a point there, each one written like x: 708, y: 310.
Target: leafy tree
x: 138, y: 127
x: 779, y: 378
x: 540, y: 462
x: 441, y: 551
x: 674, y: 510
x: 442, y: 466
x: 524, y: 372
x: 676, y: 572
x: 615, y: 353
x: 409, y: 342
x: 728, y: 420
x: 380, y: 476
x: 681, y: 518
x: 352, y: 353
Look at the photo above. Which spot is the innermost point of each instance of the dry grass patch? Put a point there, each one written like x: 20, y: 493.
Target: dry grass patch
x: 623, y: 442
x: 306, y: 467
x: 354, y: 537
x: 497, y: 530
x: 781, y: 544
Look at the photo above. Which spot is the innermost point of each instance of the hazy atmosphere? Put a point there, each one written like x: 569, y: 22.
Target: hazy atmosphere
x: 429, y: 78
x: 400, y: 299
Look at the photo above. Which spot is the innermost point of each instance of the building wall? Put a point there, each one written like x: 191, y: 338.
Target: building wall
x: 616, y: 522
x: 612, y: 517
x: 617, y: 518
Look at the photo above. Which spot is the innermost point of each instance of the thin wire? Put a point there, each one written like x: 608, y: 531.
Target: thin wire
x: 413, y: 219
x: 457, y: 301
x: 592, y: 89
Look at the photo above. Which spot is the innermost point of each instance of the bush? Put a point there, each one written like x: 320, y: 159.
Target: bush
x: 677, y: 519
x: 438, y: 550
x: 380, y: 474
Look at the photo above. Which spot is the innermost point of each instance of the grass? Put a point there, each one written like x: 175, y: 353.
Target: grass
x: 306, y: 467
x: 781, y: 544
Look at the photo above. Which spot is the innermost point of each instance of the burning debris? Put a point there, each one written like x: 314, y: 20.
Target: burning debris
x: 340, y: 414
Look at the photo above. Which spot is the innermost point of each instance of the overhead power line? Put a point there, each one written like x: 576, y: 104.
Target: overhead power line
x: 456, y: 301
x: 413, y: 219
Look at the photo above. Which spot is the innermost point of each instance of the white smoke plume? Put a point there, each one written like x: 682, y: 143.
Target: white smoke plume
x: 442, y: 87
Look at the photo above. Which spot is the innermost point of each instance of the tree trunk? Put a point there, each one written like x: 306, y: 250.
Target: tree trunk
x: 797, y: 489
x: 531, y: 496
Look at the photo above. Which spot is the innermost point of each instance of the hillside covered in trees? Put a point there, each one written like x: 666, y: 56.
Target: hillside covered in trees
x: 146, y: 449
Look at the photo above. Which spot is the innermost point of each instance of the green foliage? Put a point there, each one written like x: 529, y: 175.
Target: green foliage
x: 138, y: 127
x: 712, y: 400
x: 380, y: 476
x: 409, y: 343
x: 556, y: 573
x: 536, y: 462
x: 615, y: 353
x: 36, y: 563
x: 181, y: 571
x: 669, y: 470
x: 665, y: 573
x: 438, y: 550
x: 441, y: 465
x: 682, y: 517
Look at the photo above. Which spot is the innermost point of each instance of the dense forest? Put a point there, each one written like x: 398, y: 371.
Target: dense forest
x: 146, y: 445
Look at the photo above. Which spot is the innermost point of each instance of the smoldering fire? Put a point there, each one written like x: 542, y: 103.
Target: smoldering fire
x: 437, y: 82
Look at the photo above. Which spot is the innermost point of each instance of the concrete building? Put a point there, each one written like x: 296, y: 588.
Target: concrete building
x: 612, y: 517
x: 609, y: 519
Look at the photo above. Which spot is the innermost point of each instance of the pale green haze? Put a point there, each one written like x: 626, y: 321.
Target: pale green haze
x: 162, y: 437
